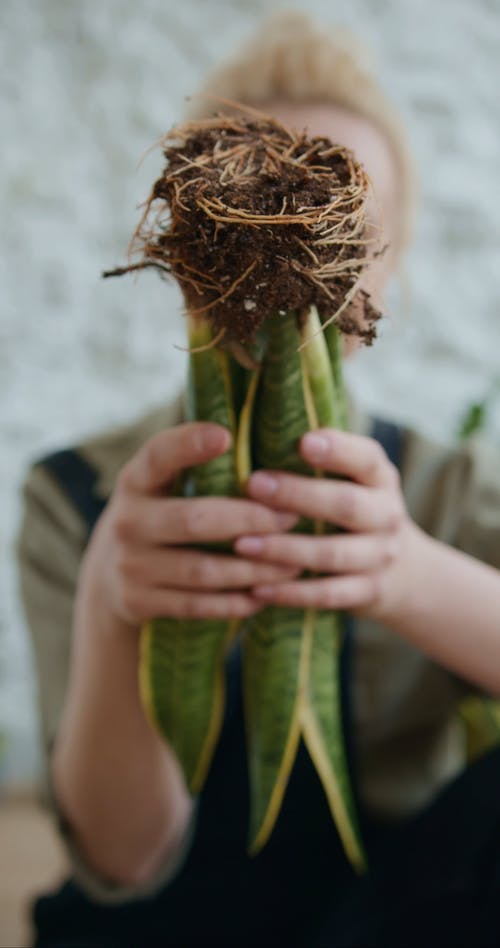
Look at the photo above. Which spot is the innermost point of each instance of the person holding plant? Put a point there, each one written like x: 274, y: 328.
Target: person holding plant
x: 414, y: 561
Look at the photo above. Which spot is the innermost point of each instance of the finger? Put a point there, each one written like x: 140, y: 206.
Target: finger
x: 328, y: 554
x: 142, y: 605
x: 167, y: 453
x: 350, y: 455
x: 343, y: 592
x: 194, y: 520
x: 190, y: 569
x: 342, y: 503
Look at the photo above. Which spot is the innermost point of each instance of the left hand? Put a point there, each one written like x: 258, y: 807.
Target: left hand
x: 356, y: 567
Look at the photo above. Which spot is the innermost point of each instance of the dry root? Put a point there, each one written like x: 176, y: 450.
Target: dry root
x: 253, y: 219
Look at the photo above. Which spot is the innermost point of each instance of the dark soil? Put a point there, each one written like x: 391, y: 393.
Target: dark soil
x: 254, y: 219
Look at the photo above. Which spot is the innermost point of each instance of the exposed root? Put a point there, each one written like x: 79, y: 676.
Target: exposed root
x: 209, y: 345
x: 254, y: 218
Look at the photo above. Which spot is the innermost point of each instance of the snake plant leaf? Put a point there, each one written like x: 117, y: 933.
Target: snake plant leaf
x: 323, y: 733
x: 181, y: 669
x: 210, y: 397
x: 273, y: 639
x: 322, y: 725
x: 291, y: 656
x: 321, y: 392
x: 182, y: 683
x: 244, y: 458
x: 280, y: 410
x: 271, y: 670
x: 334, y: 344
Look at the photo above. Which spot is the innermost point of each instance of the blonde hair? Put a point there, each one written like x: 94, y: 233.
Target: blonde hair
x: 293, y: 58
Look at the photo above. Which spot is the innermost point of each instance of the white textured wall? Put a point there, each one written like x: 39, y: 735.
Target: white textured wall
x: 86, y: 88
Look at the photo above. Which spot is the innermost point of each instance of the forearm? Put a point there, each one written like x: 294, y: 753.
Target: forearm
x: 118, y: 784
x: 448, y: 605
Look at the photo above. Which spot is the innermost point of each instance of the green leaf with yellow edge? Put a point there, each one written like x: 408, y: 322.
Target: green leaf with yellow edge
x: 182, y: 661
x: 273, y: 639
x: 322, y: 729
x: 291, y: 656
x: 280, y: 417
x: 182, y: 682
x: 273, y: 646
x: 210, y: 397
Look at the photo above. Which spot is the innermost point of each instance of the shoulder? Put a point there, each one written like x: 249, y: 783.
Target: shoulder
x: 64, y: 494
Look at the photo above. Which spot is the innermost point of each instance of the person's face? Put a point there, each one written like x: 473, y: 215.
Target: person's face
x: 373, y: 151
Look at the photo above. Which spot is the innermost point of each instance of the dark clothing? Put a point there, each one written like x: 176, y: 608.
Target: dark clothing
x: 433, y: 879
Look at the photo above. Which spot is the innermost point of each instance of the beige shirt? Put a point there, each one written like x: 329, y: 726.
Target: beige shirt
x: 408, y: 737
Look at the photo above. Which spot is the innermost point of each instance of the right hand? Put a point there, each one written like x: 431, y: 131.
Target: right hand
x: 140, y: 562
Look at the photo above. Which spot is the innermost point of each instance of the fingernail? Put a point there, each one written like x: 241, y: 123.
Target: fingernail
x: 215, y: 438
x: 316, y: 445
x: 249, y: 545
x: 285, y: 520
x: 262, y: 485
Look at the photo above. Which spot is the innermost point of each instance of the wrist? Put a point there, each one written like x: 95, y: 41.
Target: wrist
x: 403, y: 584
x: 95, y: 609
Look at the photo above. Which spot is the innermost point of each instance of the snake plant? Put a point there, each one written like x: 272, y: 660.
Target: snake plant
x: 265, y: 231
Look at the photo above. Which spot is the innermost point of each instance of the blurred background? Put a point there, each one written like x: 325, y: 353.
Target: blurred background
x: 86, y: 89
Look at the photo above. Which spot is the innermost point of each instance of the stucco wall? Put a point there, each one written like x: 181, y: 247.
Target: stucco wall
x: 87, y: 88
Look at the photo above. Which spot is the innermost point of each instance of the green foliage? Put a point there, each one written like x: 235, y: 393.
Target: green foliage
x: 291, y: 656
x: 476, y: 415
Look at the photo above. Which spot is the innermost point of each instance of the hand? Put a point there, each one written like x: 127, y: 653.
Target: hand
x: 356, y: 567
x: 140, y: 563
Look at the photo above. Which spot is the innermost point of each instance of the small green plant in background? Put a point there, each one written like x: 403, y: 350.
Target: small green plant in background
x: 475, y: 416
x: 3, y: 755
